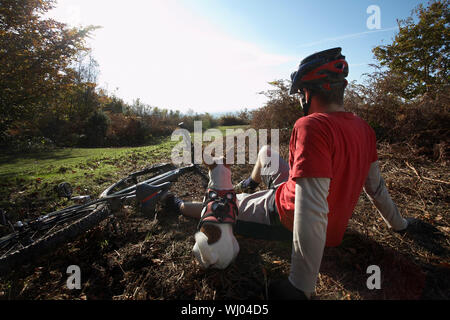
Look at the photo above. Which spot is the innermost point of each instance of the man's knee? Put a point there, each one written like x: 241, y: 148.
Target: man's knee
x: 264, y: 152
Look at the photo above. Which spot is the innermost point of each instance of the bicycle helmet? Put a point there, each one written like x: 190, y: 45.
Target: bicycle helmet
x: 320, y: 72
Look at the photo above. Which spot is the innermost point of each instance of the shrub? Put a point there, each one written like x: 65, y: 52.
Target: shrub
x: 280, y: 112
x: 130, y: 130
x: 231, y: 119
x: 96, y: 128
x: 421, y: 122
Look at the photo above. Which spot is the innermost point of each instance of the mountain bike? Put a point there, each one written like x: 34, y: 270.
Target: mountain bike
x: 29, y: 240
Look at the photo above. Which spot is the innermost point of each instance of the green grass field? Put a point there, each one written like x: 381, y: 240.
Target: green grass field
x: 28, y: 181
x: 224, y: 129
x: 89, y: 171
x: 75, y: 163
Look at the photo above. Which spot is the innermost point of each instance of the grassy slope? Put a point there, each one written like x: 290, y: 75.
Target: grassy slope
x: 224, y: 129
x: 62, y: 163
x: 71, y: 165
x: 27, y: 181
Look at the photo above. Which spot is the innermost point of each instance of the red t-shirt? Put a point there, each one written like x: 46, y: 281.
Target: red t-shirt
x: 339, y: 146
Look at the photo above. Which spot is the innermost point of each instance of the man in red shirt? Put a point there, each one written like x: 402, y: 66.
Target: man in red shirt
x: 332, y: 157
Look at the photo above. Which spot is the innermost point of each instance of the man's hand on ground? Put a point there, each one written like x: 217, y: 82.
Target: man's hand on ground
x: 411, y: 226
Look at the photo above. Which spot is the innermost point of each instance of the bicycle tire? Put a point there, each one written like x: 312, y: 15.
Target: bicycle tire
x: 46, y: 244
x: 68, y: 233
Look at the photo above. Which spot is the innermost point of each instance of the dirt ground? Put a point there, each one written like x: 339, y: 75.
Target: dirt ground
x: 149, y: 257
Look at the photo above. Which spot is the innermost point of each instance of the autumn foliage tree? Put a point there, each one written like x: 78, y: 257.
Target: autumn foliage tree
x: 36, y: 57
x: 406, y: 99
x: 49, y: 90
x: 418, y: 60
x: 281, y: 111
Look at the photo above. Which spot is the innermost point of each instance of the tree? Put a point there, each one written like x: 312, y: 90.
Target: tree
x: 281, y: 110
x: 418, y: 58
x: 35, y: 58
x: 96, y: 127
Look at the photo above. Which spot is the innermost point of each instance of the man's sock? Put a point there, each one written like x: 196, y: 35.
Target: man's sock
x: 178, y: 203
x: 172, y: 203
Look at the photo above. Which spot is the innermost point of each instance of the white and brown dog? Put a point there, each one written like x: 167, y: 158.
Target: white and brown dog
x: 215, y: 244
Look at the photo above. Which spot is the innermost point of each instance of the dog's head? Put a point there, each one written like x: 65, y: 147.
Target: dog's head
x: 215, y: 246
x: 219, y: 172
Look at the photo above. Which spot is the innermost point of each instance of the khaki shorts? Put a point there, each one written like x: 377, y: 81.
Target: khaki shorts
x: 257, y: 211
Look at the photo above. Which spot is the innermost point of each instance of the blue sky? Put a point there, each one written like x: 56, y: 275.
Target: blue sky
x: 216, y: 55
x: 299, y: 28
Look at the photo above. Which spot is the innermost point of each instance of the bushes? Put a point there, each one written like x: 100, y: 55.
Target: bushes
x: 236, y: 119
x: 208, y: 121
x: 422, y: 122
x: 126, y: 131
x: 95, y: 129
x: 62, y: 132
x: 280, y: 112
x: 26, y: 144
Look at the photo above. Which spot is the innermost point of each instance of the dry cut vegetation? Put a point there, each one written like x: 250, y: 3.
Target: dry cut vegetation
x: 149, y: 257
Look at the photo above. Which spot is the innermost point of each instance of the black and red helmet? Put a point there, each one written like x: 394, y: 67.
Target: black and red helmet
x: 320, y: 72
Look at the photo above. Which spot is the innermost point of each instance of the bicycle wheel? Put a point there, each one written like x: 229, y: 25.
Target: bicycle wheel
x: 17, y: 252
x: 63, y: 226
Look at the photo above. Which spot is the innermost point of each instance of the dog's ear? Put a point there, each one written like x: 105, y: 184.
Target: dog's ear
x: 208, y: 159
x: 211, y: 165
x: 203, y: 155
x: 212, y: 232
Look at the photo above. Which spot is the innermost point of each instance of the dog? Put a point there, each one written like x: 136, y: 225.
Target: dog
x: 215, y: 244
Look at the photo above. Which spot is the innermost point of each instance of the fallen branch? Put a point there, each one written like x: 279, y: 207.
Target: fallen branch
x: 435, y: 180
x: 414, y: 170
x: 425, y: 178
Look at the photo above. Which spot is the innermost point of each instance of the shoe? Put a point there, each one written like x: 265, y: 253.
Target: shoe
x: 246, y: 186
x: 412, y: 226
x: 284, y: 290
